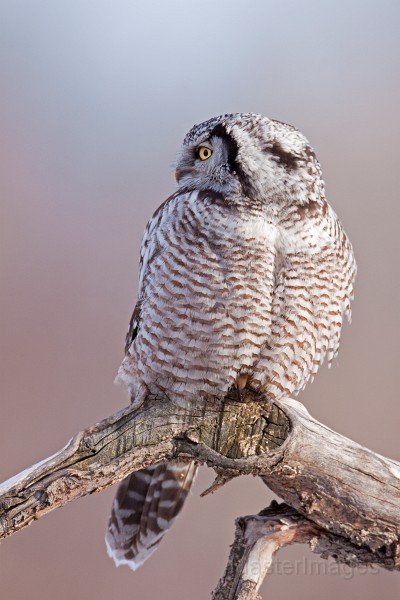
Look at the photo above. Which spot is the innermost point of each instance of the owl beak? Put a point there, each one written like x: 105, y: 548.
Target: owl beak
x: 177, y: 175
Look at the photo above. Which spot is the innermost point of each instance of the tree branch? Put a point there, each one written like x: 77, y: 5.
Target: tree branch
x: 346, y: 495
x: 257, y: 539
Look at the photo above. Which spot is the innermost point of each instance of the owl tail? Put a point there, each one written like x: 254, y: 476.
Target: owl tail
x: 145, y: 506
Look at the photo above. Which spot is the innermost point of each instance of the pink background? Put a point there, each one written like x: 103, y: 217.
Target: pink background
x: 95, y: 99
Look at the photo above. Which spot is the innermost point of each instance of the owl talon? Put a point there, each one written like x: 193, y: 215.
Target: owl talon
x: 244, y: 396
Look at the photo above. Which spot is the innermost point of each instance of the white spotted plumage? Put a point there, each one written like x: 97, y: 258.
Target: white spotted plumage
x: 246, y: 272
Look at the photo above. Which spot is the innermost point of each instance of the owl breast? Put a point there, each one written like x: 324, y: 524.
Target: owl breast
x: 224, y: 292
x: 205, y: 309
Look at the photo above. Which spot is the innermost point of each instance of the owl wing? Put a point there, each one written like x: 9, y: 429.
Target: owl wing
x: 133, y: 327
x: 148, y: 250
x: 147, y: 501
x: 342, y: 270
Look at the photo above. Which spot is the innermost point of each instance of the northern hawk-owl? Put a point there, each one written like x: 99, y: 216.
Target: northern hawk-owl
x: 245, y: 277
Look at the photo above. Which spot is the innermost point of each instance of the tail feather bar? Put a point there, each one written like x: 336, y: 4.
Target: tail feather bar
x: 146, y: 505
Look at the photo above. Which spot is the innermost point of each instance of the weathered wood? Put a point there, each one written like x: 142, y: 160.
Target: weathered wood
x: 349, y: 493
x: 127, y: 441
x: 257, y: 539
x: 346, y: 489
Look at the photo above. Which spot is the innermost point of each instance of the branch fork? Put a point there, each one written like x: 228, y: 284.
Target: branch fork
x: 341, y: 498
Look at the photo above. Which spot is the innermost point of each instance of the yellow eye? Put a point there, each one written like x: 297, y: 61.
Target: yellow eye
x: 204, y: 153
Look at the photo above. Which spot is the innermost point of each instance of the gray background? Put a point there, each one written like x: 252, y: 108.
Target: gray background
x: 96, y: 97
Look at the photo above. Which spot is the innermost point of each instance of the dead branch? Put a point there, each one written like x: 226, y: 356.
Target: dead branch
x: 257, y: 539
x: 344, y: 497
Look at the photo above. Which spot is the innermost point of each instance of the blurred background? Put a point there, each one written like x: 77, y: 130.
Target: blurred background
x: 96, y: 97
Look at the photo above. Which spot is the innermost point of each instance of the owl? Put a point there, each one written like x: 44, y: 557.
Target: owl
x: 245, y: 277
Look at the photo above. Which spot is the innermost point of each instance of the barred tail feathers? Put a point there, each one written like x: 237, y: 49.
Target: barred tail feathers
x: 145, y: 506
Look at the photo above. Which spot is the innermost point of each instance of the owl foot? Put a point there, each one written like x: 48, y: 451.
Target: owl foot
x: 241, y: 392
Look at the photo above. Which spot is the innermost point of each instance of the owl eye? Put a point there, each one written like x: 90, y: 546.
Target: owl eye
x: 204, y: 153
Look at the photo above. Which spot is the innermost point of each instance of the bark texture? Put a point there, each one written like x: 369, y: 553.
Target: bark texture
x: 257, y: 539
x: 343, y: 498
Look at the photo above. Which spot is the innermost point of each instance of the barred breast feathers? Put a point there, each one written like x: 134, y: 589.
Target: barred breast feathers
x: 222, y: 276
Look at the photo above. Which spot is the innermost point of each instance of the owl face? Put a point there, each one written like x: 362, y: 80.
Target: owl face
x: 250, y: 156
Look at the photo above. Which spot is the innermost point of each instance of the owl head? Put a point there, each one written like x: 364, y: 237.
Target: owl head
x: 249, y: 156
